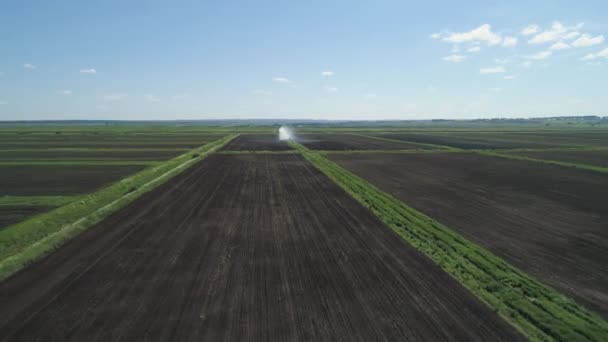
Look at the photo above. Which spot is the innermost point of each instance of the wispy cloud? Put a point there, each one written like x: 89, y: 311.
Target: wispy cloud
x: 492, y: 70
x: 557, y: 32
x: 586, y: 40
x: 509, y: 41
x: 454, y: 58
x: 559, y: 46
x: 370, y: 96
x: 151, y: 98
x: 530, y: 30
x: 262, y: 92
x: 474, y: 49
x: 592, y: 56
x: 180, y: 96
x: 282, y: 80
x: 88, y: 71
x: 65, y: 92
x: 29, y: 66
x: 481, y: 34
x: 327, y: 73
x: 510, y: 77
x: 330, y: 89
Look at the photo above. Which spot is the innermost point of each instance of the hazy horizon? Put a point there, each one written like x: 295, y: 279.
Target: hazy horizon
x: 385, y: 60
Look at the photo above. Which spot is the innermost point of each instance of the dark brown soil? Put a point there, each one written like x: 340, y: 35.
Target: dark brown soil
x: 29, y: 180
x: 468, y: 141
x: 549, y: 221
x: 15, y: 155
x: 598, y: 158
x: 10, y: 214
x: 242, y: 247
x: 337, y: 142
x: 257, y: 142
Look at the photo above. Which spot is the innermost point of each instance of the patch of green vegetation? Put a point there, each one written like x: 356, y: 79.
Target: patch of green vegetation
x: 27, y: 241
x: 537, y: 311
x: 547, y: 161
x: 256, y: 152
x: 51, y: 201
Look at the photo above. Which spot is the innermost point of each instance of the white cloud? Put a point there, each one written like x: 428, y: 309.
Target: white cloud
x: 557, y: 32
x: 492, y: 70
x: 474, y: 49
x: 327, y: 73
x: 65, y: 92
x: 591, y: 56
x: 559, y: 46
x: 330, y: 89
x: 262, y: 92
x: 114, y: 97
x: 540, y: 55
x: 510, y: 77
x: 29, y: 66
x: 435, y: 36
x: 501, y: 60
x: 526, y: 64
x: 509, y: 41
x: 454, y: 58
x: 586, y: 40
x: 530, y: 30
x: 151, y: 98
x: 282, y: 80
x: 88, y: 71
x: 481, y: 34
x: 455, y: 49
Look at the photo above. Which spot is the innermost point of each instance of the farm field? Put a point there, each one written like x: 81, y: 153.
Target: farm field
x: 243, y: 247
x: 70, y: 162
x: 476, y: 140
x: 549, y: 221
x: 597, y: 157
x: 333, y: 142
x: 257, y: 142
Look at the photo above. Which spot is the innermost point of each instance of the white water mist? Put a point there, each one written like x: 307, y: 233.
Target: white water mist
x: 285, y: 133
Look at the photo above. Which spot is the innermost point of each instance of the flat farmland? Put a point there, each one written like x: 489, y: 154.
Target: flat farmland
x: 88, y: 154
x: 104, y: 140
x: 336, y: 142
x: 242, y: 247
x: 547, y: 220
x: 257, y: 142
x: 29, y: 180
x: 598, y: 158
x: 472, y: 140
x: 10, y: 214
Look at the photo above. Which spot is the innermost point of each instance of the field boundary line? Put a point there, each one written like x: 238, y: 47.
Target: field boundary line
x: 579, y: 166
x: 70, y: 162
x: 536, y: 310
x: 112, y: 198
x: 443, y: 147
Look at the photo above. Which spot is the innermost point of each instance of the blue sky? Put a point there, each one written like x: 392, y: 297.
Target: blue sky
x: 307, y: 59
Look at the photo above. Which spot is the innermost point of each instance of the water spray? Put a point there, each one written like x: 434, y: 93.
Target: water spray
x: 285, y: 133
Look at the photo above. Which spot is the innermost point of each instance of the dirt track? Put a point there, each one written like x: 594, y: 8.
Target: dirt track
x: 550, y: 221
x: 242, y: 247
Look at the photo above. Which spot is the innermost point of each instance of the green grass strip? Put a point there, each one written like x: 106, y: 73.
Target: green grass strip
x: 47, y: 201
x: 27, y: 241
x: 257, y: 152
x: 70, y: 162
x: 540, y: 313
x: 547, y: 161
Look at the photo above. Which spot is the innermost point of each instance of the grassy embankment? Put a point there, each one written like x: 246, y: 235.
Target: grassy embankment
x: 536, y: 310
x: 24, y: 242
